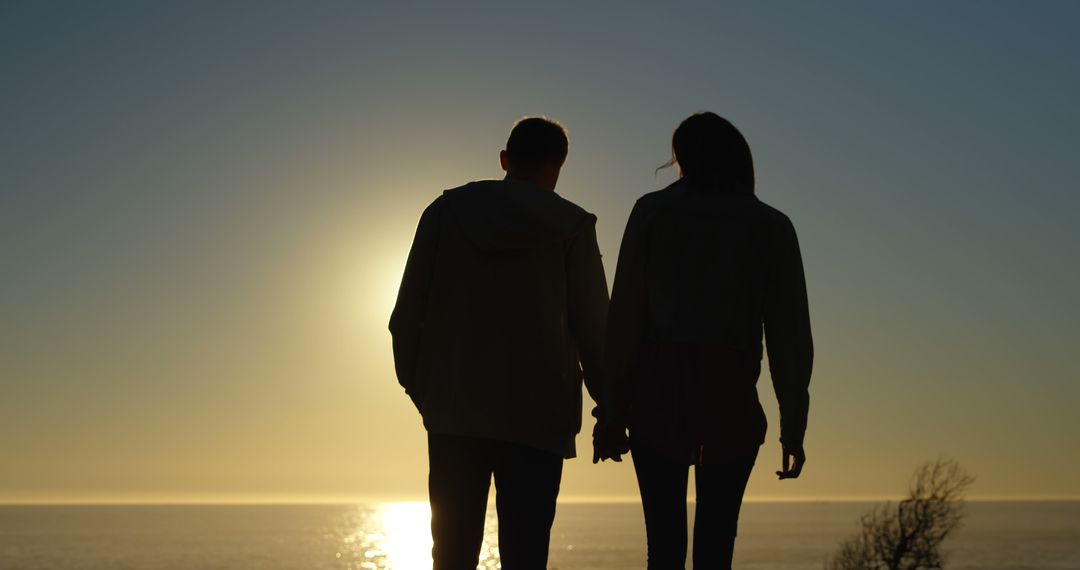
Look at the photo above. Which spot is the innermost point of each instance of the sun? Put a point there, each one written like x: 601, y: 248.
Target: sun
x: 375, y: 277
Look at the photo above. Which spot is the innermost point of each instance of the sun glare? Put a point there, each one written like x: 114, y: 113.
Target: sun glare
x: 406, y: 531
x: 377, y: 281
x: 389, y: 281
x: 401, y: 539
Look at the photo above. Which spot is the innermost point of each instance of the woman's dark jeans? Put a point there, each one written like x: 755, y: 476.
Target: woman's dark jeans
x: 663, y: 483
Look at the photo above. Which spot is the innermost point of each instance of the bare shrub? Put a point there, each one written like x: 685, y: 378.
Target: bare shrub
x: 908, y: 535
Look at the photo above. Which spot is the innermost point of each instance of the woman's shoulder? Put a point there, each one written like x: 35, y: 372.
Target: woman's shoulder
x: 658, y: 198
x: 776, y: 219
x: 771, y: 212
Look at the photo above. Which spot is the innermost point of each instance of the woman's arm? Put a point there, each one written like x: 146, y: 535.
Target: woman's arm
x: 788, y: 339
x: 627, y: 316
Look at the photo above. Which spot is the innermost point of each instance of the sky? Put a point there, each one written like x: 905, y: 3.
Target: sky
x: 205, y: 208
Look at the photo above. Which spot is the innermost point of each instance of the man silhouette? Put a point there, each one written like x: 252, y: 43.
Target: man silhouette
x: 500, y: 314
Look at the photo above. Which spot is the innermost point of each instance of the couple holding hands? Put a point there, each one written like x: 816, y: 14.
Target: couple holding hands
x: 504, y: 310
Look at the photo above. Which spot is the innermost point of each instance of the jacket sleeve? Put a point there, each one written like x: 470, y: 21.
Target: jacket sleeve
x: 407, y: 319
x: 587, y: 308
x: 787, y: 334
x: 627, y: 316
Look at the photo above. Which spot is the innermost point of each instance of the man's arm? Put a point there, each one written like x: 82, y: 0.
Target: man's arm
x: 790, y: 345
x: 587, y: 307
x: 407, y: 320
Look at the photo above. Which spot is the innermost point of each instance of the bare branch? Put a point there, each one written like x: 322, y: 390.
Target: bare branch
x: 908, y: 535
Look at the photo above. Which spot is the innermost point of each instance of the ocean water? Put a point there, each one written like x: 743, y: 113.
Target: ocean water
x: 997, y: 536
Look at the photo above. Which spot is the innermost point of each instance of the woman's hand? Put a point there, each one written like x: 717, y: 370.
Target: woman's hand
x: 791, y: 469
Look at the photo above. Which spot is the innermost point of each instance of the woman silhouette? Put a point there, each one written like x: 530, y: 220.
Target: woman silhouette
x: 704, y: 267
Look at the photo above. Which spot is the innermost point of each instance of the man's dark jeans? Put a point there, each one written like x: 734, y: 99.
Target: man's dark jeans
x: 526, y: 483
x: 720, y: 486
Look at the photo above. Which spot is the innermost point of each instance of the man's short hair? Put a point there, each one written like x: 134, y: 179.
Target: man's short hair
x: 535, y: 142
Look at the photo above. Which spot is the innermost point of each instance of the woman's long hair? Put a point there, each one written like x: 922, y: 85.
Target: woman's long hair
x: 711, y: 152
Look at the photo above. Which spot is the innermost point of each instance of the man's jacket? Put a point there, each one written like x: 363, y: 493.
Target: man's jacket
x: 701, y: 273
x: 501, y: 313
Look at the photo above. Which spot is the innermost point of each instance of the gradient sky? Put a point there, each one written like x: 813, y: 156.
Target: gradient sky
x: 205, y: 209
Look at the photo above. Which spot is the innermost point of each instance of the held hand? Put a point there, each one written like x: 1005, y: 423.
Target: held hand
x: 602, y: 451
x: 603, y: 455
x: 792, y: 470
x: 609, y: 443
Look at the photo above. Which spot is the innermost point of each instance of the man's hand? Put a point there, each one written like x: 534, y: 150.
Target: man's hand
x: 791, y: 470
x: 609, y: 443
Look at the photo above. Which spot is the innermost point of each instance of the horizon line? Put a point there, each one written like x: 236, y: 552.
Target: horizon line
x: 313, y: 501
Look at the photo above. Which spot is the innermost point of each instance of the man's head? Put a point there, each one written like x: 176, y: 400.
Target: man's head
x: 535, y: 151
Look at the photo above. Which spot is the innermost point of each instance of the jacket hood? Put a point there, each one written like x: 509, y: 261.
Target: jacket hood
x: 509, y: 214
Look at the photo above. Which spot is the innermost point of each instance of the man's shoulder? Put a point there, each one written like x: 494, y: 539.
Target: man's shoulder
x: 474, y: 186
x: 569, y: 205
x: 515, y: 198
x: 508, y: 213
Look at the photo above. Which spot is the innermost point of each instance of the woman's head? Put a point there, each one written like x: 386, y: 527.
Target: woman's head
x: 709, y: 150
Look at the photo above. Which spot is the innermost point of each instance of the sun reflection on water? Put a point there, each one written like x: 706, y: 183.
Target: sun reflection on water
x: 397, y: 536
